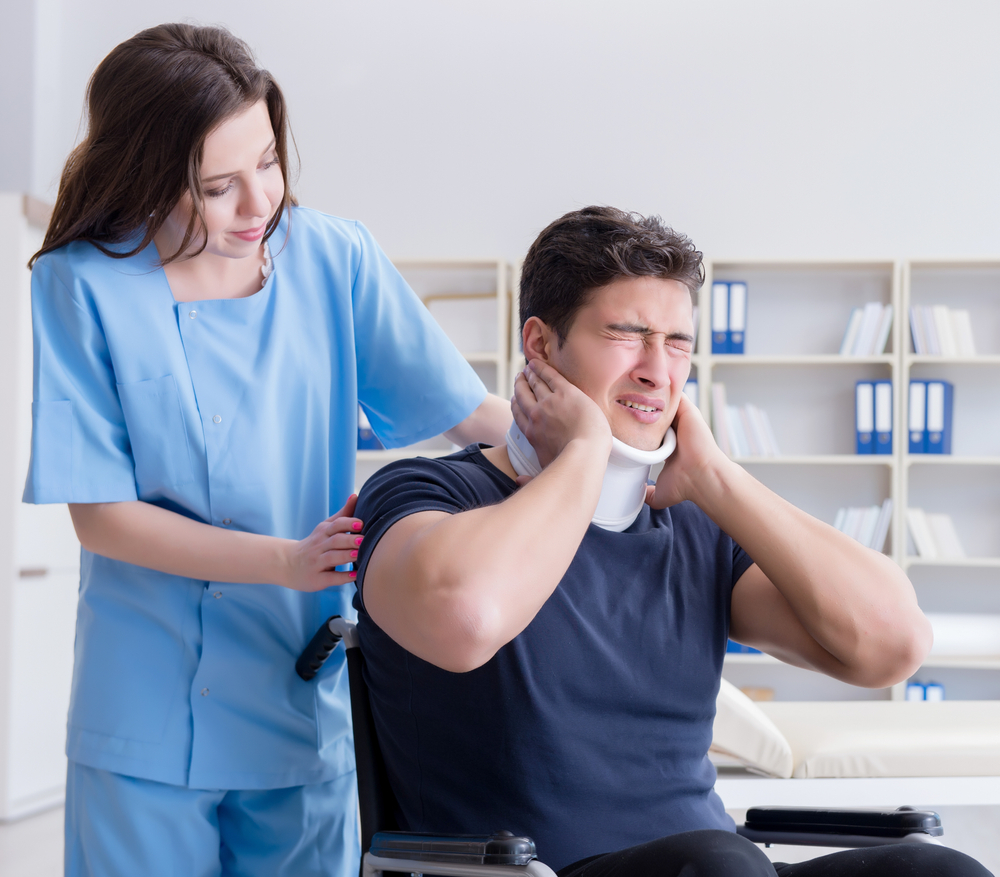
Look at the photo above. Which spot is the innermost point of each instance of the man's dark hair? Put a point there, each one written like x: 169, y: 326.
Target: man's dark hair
x: 590, y: 248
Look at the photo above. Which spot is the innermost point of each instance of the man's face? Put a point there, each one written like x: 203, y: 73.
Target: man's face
x: 629, y: 349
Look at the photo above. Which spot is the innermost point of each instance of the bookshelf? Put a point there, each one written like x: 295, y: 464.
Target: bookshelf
x: 470, y: 299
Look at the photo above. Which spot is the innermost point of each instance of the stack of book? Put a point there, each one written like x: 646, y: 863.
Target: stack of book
x: 933, y: 535
x: 873, y: 417
x: 691, y: 390
x: 940, y: 331
x: 729, y: 316
x: 930, y: 417
x: 870, y: 526
x: 867, y: 330
x: 742, y: 431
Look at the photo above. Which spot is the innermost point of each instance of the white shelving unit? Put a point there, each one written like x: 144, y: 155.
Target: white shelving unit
x: 966, y: 483
x: 796, y: 316
x: 39, y: 559
x: 470, y: 299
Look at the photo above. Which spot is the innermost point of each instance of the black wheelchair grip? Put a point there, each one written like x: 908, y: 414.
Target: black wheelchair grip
x: 315, y: 654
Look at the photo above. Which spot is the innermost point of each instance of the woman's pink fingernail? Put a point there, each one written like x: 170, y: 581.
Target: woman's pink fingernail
x: 356, y: 525
x: 354, y: 554
x: 358, y: 540
x: 353, y: 575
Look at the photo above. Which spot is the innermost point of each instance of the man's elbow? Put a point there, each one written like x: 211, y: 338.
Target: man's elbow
x: 898, y: 652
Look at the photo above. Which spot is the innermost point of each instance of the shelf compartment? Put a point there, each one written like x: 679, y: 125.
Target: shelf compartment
x: 971, y: 495
x: 811, y: 410
x: 976, y: 414
x: 973, y: 285
x: 799, y: 308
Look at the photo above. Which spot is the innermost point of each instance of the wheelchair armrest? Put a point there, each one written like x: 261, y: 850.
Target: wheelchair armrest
x: 500, y: 848
x: 809, y: 826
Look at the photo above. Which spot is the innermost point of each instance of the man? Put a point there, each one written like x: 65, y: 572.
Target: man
x: 534, y: 672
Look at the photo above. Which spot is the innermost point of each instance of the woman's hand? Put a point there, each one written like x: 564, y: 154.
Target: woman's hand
x: 310, y: 563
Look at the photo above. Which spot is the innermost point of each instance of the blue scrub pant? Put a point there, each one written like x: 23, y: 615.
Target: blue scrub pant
x: 121, y: 826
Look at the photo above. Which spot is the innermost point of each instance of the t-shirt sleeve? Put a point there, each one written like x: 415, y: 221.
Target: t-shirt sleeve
x: 405, y: 488
x: 412, y: 382
x: 80, y: 450
x: 741, y: 562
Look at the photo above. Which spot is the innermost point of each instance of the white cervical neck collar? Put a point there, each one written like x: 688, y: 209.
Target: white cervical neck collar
x: 624, y: 489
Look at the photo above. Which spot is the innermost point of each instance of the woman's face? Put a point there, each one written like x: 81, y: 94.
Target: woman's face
x: 242, y: 183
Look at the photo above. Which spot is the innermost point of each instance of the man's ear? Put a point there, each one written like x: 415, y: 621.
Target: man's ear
x: 537, y: 340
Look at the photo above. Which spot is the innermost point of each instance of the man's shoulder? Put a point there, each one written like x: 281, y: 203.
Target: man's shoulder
x: 464, y: 479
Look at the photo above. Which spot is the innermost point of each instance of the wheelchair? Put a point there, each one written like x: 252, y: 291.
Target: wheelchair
x: 387, y: 850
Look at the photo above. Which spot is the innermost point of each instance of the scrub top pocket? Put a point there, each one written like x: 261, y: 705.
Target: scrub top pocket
x: 156, y: 431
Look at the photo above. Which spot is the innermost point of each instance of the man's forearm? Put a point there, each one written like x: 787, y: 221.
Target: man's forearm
x: 149, y: 536
x: 854, y: 602
x: 453, y: 589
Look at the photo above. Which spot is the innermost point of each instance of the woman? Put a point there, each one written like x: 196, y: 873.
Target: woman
x: 201, y: 348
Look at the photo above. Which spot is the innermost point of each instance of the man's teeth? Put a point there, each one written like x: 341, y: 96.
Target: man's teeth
x: 637, y: 406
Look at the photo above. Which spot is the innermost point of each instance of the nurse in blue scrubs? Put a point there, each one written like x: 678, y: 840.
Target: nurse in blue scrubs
x: 201, y: 348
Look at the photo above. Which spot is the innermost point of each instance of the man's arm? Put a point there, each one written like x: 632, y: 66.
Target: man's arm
x: 453, y: 589
x: 814, y: 597
x: 488, y: 423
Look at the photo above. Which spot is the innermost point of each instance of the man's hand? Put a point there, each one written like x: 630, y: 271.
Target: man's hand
x: 552, y: 412
x: 693, y: 460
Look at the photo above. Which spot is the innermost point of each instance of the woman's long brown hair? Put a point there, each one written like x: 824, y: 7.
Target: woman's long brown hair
x: 151, y: 103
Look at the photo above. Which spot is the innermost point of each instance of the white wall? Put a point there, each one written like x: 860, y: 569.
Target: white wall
x: 774, y: 127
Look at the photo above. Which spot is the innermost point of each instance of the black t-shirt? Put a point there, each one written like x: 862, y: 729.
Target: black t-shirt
x: 589, y: 731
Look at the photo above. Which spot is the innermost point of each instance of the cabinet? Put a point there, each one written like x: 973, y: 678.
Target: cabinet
x: 39, y: 561
x: 796, y: 316
x: 966, y: 483
x: 470, y: 299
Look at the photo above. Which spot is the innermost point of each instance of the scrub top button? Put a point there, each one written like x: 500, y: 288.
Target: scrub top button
x: 204, y: 692
x: 226, y: 521
x: 192, y: 314
x: 217, y: 595
x: 217, y: 419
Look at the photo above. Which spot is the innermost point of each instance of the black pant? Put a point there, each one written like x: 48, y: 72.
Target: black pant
x: 711, y: 853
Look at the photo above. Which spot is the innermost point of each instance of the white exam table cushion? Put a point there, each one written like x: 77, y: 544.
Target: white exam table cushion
x: 745, y: 735
x: 890, y: 738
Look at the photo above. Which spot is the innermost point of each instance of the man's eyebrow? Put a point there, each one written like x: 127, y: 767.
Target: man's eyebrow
x: 640, y: 329
x: 211, y: 179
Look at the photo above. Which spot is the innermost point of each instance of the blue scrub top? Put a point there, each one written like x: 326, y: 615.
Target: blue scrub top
x: 240, y: 413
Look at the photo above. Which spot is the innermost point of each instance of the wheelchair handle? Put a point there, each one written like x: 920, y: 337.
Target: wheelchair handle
x: 333, y: 630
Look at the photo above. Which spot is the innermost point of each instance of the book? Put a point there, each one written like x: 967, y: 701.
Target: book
x: 920, y: 532
x: 867, y: 524
x: 961, y: 324
x: 870, y: 322
x: 737, y: 317
x: 917, y: 417
x: 720, y: 316
x: 940, y: 396
x: 930, y: 331
x: 720, y: 425
x: 882, y: 526
x: 882, y: 336
x: 883, y: 417
x: 917, y: 331
x: 851, y: 332
x: 864, y: 416
x: 942, y: 322
x: 946, y: 541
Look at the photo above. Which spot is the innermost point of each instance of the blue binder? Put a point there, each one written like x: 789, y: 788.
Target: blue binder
x: 940, y: 396
x: 734, y: 648
x: 917, y: 417
x: 720, y: 316
x: 864, y: 417
x: 737, y: 316
x: 883, y: 417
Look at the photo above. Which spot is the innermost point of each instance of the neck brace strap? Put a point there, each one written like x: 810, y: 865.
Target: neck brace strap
x: 624, y: 489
